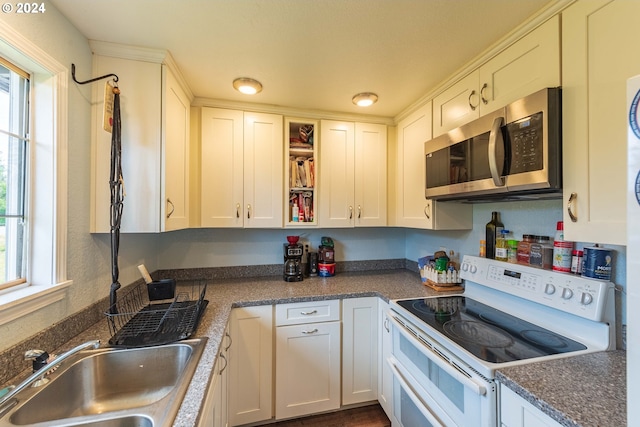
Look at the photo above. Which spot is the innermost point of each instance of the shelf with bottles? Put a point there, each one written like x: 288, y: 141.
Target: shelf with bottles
x: 301, y: 150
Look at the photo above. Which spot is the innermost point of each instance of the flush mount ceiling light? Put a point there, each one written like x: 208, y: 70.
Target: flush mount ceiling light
x: 365, y: 99
x: 247, y: 86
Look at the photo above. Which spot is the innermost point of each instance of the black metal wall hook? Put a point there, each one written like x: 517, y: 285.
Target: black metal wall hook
x: 73, y: 75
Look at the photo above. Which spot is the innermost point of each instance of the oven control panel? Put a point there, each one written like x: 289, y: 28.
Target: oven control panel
x: 578, y: 295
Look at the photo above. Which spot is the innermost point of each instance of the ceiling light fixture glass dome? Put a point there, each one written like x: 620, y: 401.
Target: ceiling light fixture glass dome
x: 247, y: 85
x: 365, y: 99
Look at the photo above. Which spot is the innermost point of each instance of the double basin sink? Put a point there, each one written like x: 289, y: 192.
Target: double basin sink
x: 110, y: 387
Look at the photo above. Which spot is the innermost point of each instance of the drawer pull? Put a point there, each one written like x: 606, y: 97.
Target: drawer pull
x: 313, y: 331
x: 308, y: 313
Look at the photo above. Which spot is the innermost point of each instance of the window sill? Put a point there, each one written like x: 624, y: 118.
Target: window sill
x: 20, y: 302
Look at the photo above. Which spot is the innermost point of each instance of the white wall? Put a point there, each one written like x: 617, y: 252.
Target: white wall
x: 88, y: 255
x: 237, y: 247
x: 528, y: 217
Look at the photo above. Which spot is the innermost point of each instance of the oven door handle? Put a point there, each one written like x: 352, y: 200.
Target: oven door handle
x: 420, y: 405
x: 479, y: 389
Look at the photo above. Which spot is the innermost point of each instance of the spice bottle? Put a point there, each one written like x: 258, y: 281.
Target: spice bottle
x: 561, y: 250
x: 483, y: 248
x: 512, y: 251
x: 523, y: 251
x: 493, y: 229
x: 502, y: 246
x: 576, y: 262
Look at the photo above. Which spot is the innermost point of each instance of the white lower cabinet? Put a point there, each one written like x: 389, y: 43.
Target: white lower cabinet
x: 517, y: 412
x: 359, y: 350
x: 250, y: 380
x: 214, y: 410
x: 307, y: 358
x: 385, y: 375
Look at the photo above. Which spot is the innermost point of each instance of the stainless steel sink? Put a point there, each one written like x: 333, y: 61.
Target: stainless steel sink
x: 112, y: 387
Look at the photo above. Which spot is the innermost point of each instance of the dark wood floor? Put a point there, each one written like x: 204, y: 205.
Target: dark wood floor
x: 366, y: 416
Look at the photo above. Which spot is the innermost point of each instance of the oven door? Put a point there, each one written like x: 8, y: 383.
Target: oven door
x: 443, y: 394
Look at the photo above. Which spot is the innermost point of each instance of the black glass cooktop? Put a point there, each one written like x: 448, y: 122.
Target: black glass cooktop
x: 486, y: 332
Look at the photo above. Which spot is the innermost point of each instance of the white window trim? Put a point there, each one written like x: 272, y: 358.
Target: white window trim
x: 47, y: 258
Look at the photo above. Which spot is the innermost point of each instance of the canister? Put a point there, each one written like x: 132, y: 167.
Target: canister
x: 596, y: 263
x: 326, y: 269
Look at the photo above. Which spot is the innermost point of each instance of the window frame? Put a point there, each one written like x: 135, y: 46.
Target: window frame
x: 46, y: 258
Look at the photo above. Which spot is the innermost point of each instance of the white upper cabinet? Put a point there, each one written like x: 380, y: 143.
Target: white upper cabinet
x: 530, y: 64
x: 412, y: 208
x: 597, y: 61
x: 241, y: 169
x: 353, y: 174
x: 155, y: 112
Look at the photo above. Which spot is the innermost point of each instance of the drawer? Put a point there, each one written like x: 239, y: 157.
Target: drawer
x: 307, y: 312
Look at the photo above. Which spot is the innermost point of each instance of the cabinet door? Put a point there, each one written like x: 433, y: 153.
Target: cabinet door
x: 359, y: 350
x: 263, y: 170
x: 457, y: 105
x: 250, y: 365
x: 370, y: 175
x: 530, y: 64
x: 176, y: 118
x: 517, y: 412
x: 222, y: 201
x: 385, y: 375
x: 596, y: 64
x: 211, y: 414
x: 140, y: 103
x: 336, y: 174
x: 411, y: 204
x: 412, y: 208
x: 307, y: 369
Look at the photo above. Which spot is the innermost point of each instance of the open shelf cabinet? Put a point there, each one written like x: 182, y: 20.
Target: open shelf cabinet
x: 301, y: 166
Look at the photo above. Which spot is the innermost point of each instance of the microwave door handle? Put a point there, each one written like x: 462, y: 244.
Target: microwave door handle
x: 495, y: 138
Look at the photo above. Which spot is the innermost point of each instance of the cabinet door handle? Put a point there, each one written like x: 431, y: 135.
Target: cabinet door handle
x: 386, y: 324
x: 308, y: 313
x: 359, y: 211
x: 473, y: 107
x: 248, y: 211
x: 350, y: 212
x: 427, y: 210
x: 313, y: 331
x: 485, y: 101
x: 225, y: 364
x: 570, y: 204
x: 173, y: 208
x: 226, y: 334
x: 237, y: 210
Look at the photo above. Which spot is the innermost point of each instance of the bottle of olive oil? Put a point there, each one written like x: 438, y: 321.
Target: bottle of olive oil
x: 493, y: 230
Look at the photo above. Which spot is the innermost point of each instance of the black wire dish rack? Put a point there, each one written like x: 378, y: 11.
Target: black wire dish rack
x: 139, y: 319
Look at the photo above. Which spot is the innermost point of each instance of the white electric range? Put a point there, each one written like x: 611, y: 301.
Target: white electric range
x: 446, y: 348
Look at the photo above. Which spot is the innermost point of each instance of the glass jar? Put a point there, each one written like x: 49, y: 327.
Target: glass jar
x: 523, y: 250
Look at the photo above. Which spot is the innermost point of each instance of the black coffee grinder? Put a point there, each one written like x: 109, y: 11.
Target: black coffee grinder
x: 293, y: 260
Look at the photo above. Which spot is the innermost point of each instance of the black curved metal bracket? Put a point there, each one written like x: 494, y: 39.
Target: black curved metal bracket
x: 73, y: 75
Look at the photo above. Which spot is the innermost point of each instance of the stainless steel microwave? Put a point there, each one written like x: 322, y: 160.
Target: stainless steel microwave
x: 512, y: 153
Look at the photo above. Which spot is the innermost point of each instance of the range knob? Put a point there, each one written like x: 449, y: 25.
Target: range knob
x: 586, y: 298
x: 549, y: 289
x: 567, y: 293
x: 473, y: 269
x: 464, y: 266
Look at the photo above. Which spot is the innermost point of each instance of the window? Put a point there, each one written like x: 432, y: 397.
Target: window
x: 36, y: 200
x: 14, y: 129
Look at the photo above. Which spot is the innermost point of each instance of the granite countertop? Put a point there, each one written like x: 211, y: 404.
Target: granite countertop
x: 562, y: 388
x: 224, y: 294
x: 588, y: 390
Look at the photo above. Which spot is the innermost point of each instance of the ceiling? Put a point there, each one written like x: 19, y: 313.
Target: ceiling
x: 308, y: 54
